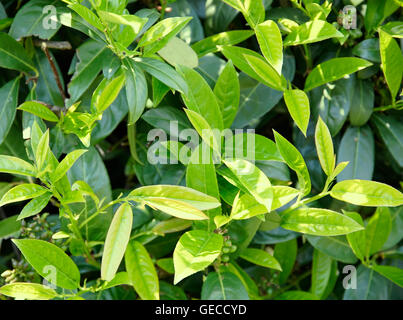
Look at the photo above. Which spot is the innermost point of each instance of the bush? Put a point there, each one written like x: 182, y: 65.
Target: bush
x: 231, y: 149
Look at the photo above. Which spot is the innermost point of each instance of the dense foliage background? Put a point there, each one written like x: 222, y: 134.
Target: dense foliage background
x: 129, y: 81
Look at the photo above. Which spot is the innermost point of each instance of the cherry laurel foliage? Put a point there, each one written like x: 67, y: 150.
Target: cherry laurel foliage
x: 82, y: 87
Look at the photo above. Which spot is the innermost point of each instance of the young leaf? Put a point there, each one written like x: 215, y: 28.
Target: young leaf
x: 133, y: 21
x: 35, y: 206
x: 50, y: 262
x: 116, y: 241
x: 66, y: 164
x: 42, y: 151
x: 312, y: 31
x: 253, y: 10
x: 334, y: 69
x: 271, y: 43
x: 141, y: 271
x: 367, y: 193
x: 253, y: 179
x: 22, y: 192
x: 87, y: 15
x: 260, y: 258
x: 8, y: 105
x: 377, y: 231
x: 357, y: 240
x: 227, y: 92
x: 392, y: 62
x: 394, y: 274
x: 195, y: 251
x: 320, y: 222
x: 39, y: 110
x: 200, y: 98
x: 109, y: 93
x: 298, y: 105
x: 324, y: 147
x: 295, y: 161
x: 223, y: 286
x: 15, y: 165
x: 13, y: 55
x: 29, y: 291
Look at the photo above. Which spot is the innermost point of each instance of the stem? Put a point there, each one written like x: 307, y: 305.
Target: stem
x: 164, y: 4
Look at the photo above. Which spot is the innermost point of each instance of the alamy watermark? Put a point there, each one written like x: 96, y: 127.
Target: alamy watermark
x: 348, y: 17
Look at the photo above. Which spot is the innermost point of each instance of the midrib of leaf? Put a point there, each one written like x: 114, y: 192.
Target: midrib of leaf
x: 369, y: 284
x: 143, y: 281
x: 357, y: 146
x: 222, y: 286
x: 18, y: 59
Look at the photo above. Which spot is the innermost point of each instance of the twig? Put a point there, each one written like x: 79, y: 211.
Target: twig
x: 59, y: 45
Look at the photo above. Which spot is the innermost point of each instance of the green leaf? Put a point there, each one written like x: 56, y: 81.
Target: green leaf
x: 192, y: 197
x: 298, y: 105
x: 67, y: 163
x: 195, y: 251
x: 389, y: 129
x: 271, y: 43
x: 227, y: 92
x: 368, y: 49
x: 116, y: 241
x: 158, y: 35
x: 367, y: 193
x: 22, y: 192
x: 88, y: 15
x: 336, y: 247
x: 170, y: 226
x: 358, y: 148
x: 377, y: 12
x: 29, y: 291
x: 42, y: 151
x: 50, y: 262
x: 108, y: 94
x: 141, y: 271
x: 164, y: 73
x: 377, y: 231
x: 8, y: 105
x: 200, y: 98
x: 178, y: 52
x: 334, y: 69
x: 33, y: 20
x: 394, y: 274
x: 286, y: 254
x: 223, y: 286
x: 211, y: 44
x: 295, y: 161
x: 320, y: 222
x: 39, y: 110
x: 9, y: 227
x: 312, y: 31
x: 13, y: 165
x: 260, y: 258
x: 392, y: 62
x: 394, y: 28
x: 253, y: 10
x: 321, y: 271
x: 253, y: 179
x: 133, y: 21
x: 167, y: 264
x: 13, y: 55
x: 324, y: 147
x: 363, y: 106
x: 357, y: 240
x: 296, y: 295
x: 255, y: 66
x: 35, y: 206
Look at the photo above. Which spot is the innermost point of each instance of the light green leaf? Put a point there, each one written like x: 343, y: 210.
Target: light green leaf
x: 394, y: 274
x: 170, y: 226
x: 35, y: 206
x: 295, y: 161
x: 9, y: 227
x: 29, y: 291
x: 227, y: 92
x: 39, y: 110
x: 253, y: 10
x: 195, y: 251
x: 392, y: 62
x: 22, y: 192
x: 67, y: 163
x: 334, y: 69
x: 108, y: 93
x: 88, y: 15
x: 271, y: 43
x: 253, y: 179
x: 312, y: 31
x: 42, y: 151
x: 178, y: 52
x: 324, y: 147
x: 367, y: 193
x: 377, y: 231
x: 260, y: 258
x: 13, y: 165
x: 357, y: 240
x: 133, y: 21
x: 211, y: 44
x: 320, y: 222
x: 298, y: 105
x: 141, y: 271
x: 116, y: 241
x: 50, y: 262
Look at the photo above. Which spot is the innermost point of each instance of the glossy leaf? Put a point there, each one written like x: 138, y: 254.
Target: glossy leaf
x: 8, y: 105
x: 13, y: 55
x: 22, y: 192
x: 324, y: 147
x: 357, y: 240
x: 39, y: 110
x: 298, y: 106
x: 394, y: 274
x: 377, y: 231
x: 29, y: 291
x: 260, y: 258
x: 321, y: 268
x: 14, y: 165
x: 178, y: 52
x: 223, y: 286
x: 35, y: 206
